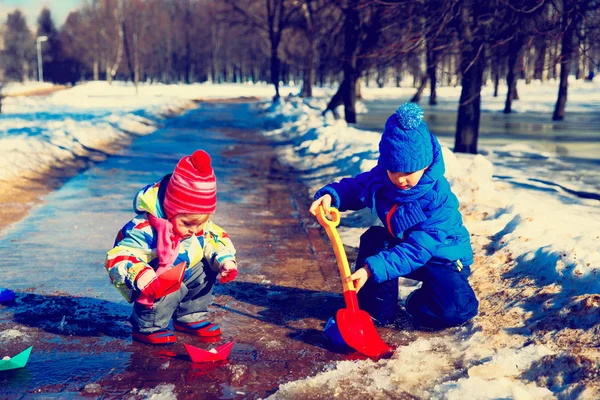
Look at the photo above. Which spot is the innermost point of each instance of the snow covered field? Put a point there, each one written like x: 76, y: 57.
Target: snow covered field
x: 537, y: 250
x: 39, y: 133
x: 536, y: 272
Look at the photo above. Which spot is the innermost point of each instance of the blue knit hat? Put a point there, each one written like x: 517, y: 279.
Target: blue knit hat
x: 405, y: 145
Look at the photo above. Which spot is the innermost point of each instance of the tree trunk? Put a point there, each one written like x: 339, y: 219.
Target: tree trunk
x: 136, y: 62
x: 496, y: 73
x: 452, y: 70
x: 308, y: 74
x: 351, y: 74
x: 530, y: 64
x: 566, y: 55
x: 545, y: 62
x: 417, y: 97
x: 275, y: 65
x: 469, y: 109
x: 514, y: 50
x: 127, y: 50
x: 336, y: 101
x: 349, y: 96
x: 472, y: 65
x: 432, y: 61
x: 96, y: 70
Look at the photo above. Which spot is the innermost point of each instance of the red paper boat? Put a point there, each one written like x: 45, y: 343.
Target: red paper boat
x: 218, y: 354
x: 170, y: 281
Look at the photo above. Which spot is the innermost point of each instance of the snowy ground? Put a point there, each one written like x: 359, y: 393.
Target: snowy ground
x: 38, y: 133
x: 538, y: 333
x: 537, y: 261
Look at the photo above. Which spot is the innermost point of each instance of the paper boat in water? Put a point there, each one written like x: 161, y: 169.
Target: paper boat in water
x: 17, y: 361
x: 217, y: 354
x: 170, y: 281
x: 6, y: 295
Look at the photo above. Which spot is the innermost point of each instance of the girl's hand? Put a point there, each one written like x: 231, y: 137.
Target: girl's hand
x: 359, y: 278
x: 228, y: 271
x: 324, y: 201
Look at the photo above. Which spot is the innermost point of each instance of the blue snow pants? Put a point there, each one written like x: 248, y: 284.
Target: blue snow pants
x: 188, y: 304
x: 445, y: 299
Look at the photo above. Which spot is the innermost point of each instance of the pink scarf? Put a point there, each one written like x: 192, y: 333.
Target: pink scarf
x: 167, y: 249
x: 167, y: 246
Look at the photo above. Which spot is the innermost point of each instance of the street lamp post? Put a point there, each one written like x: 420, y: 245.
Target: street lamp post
x: 38, y: 43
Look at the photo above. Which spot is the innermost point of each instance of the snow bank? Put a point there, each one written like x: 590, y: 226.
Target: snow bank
x: 83, y: 123
x: 536, y: 97
x: 537, y: 262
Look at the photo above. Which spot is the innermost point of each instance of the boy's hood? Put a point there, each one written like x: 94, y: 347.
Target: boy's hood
x: 147, y: 200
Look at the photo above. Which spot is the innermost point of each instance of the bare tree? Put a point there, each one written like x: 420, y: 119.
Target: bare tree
x: 569, y: 16
x: 19, y: 48
x: 362, y: 24
x: 437, y: 33
x: 272, y: 18
x: 472, y: 20
x: 572, y: 13
x: 517, y: 28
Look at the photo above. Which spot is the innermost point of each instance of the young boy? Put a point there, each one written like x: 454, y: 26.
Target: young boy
x: 173, y: 225
x: 422, y: 237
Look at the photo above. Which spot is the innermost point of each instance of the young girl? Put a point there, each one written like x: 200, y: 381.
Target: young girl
x: 173, y: 225
x: 422, y: 237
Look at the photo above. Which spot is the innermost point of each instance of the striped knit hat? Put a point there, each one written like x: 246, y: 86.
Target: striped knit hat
x: 192, y: 188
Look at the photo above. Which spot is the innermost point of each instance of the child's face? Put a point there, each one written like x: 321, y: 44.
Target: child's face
x: 187, y: 225
x: 406, y: 180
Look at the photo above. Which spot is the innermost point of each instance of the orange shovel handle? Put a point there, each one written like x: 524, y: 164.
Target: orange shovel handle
x: 340, y: 253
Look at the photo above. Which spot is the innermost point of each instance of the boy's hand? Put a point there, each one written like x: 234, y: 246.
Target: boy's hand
x: 228, y: 271
x: 325, y: 201
x: 359, y: 278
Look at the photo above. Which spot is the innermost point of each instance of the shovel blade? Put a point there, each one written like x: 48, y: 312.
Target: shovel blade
x: 359, y: 332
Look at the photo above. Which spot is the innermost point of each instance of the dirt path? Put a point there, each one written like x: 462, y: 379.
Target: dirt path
x: 38, y: 91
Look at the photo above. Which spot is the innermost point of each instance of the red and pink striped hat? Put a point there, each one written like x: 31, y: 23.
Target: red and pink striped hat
x: 192, y: 188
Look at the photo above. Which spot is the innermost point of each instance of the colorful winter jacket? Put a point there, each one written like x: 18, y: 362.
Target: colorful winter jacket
x: 425, y: 219
x: 135, y: 246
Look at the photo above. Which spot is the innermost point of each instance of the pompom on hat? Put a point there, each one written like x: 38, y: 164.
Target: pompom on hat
x: 192, y: 188
x: 406, y: 145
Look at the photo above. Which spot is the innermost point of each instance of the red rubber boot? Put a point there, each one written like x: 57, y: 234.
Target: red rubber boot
x: 203, y: 328
x: 159, y: 337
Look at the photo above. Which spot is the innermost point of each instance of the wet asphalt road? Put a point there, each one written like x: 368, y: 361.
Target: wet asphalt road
x: 275, y: 311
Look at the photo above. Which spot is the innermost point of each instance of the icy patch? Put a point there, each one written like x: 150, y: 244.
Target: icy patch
x: 430, y: 361
x: 161, y: 392
x: 11, y: 334
x: 481, y: 389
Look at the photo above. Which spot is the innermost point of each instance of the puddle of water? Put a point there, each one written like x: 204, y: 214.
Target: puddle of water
x: 59, y: 372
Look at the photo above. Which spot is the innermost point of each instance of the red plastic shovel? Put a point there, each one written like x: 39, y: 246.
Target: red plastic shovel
x: 355, y: 325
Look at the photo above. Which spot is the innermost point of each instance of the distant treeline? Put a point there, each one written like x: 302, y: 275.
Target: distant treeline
x: 317, y: 42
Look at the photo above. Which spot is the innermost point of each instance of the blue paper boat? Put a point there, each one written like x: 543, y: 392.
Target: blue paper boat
x: 17, y: 361
x: 6, y: 295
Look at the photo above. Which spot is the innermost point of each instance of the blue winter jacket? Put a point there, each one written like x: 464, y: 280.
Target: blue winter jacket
x: 424, y: 218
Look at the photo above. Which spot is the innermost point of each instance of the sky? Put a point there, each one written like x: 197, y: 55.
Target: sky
x: 31, y: 9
